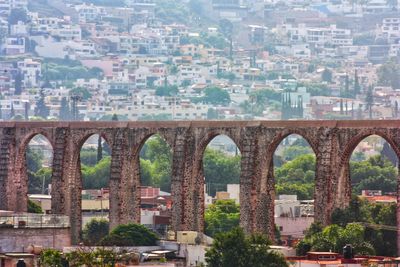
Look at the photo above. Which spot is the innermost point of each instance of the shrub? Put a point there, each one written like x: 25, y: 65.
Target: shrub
x: 130, y: 235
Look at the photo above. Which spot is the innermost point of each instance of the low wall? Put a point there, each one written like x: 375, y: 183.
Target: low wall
x: 18, y: 239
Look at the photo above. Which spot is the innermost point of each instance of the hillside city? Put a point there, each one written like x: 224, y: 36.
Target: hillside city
x: 189, y: 60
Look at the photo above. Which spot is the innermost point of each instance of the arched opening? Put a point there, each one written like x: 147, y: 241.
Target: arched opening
x: 294, y: 165
x: 39, y: 159
x: 372, y: 185
x: 95, y: 161
x: 155, y: 159
x: 221, y: 166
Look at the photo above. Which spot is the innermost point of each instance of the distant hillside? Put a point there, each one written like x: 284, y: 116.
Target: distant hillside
x: 44, y: 8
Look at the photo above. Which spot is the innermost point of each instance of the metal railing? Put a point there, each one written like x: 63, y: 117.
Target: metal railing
x: 34, y: 221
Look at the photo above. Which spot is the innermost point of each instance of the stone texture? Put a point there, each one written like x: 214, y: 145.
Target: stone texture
x: 19, y: 239
x: 332, y: 141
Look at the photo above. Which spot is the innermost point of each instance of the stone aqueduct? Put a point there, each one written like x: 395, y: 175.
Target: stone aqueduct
x: 332, y: 142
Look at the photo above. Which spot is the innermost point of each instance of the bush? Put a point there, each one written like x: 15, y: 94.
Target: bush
x: 33, y: 207
x: 51, y: 258
x: 95, y: 231
x: 130, y: 235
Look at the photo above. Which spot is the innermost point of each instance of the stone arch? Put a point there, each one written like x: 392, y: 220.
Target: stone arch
x: 281, y: 135
x: 87, y: 134
x: 343, y: 187
x: 276, y: 141
x: 207, y: 137
x: 266, y: 192
x: 21, y: 175
x: 137, y: 150
x: 356, y: 139
x: 75, y: 180
x: 28, y: 137
x: 197, y: 182
x: 146, y: 136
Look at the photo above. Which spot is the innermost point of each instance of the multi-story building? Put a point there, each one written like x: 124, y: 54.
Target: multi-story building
x: 391, y: 29
x: 14, y: 45
x: 31, y: 71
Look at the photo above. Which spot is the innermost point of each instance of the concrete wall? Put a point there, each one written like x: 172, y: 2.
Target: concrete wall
x: 294, y: 226
x: 17, y: 240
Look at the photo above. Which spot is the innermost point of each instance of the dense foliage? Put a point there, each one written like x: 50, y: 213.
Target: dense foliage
x: 95, y: 231
x: 33, y: 207
x: 234, y: 248
x: 221, y: 216
x: 79, y: 257
x: 130, y: 235
x: 363, y: 224
x: 334, y: 238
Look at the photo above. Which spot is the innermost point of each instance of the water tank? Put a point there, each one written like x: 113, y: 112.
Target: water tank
x: 348, y: 252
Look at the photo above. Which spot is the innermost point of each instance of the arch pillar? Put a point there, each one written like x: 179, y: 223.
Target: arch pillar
x: 249, y: 176
x: 398, y: 210
x: 124, y: 182
x: 73, y: 188
x: 59, y: 174
x: 20, y: 181
x: 8, y: 198
x: 180, y: 178
x: 327, y: 185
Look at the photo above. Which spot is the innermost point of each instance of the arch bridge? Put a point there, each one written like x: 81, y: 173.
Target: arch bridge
x: 332, y: 141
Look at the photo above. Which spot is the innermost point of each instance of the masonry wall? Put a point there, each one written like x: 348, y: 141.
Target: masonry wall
x: 18, y: 240
x: 331, y: 141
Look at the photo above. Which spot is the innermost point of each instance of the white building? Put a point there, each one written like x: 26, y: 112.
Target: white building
x: 14, y: 46
x: 391, y: 29
x: 31, y: 71
x: 67, y: 32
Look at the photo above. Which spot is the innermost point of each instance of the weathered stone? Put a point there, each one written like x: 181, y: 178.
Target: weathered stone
x: 332, y: 141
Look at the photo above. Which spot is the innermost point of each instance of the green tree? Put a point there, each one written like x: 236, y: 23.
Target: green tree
x: 65, y: 111
x: 359, y: 210
x: 88, y: 156
x: 389, y: 74
x: 334, y: 238
x: 212, y: 114
x: 17, y: 14
x: 41, y: 110
x: 222, y: 216
x: 18, y: 83
x: 82, y: 92
x: 130, y: 235
x: 33, y: 207
x: 369, y: 101
x: 295, y: 171
x: 357, y: 87
x: 220, y: 169
x: 216, y: 96
x: 326, y: 75
x: 97, y: 176
x: 156, y: 157
x: 292, y: 152
x: 376, y: 173
x: 168, y: 90
x: 95, y: 231
x: 51, y: 258
x: 234, y: 248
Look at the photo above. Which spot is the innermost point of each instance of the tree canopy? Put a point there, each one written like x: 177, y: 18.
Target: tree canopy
x: 334, y: 238
x: 234, y: 248
x: 389, y: 74
x: 130, y: 235
x: 94, y: 231
x: 221, y: 216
